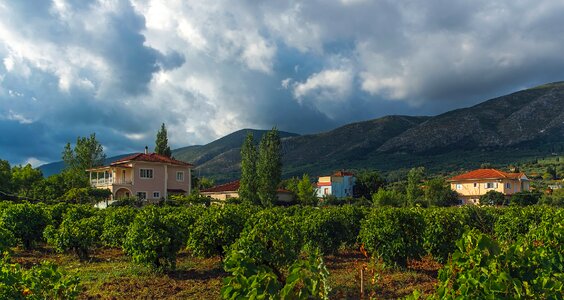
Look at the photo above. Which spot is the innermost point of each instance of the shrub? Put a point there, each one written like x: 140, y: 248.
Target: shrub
x: 525, y: 198
x: 45, y: 281
x: 322, y: 230
x: 183, y: 218
x: 516, y: 221
x: 389, y: 198
x: 270, y: 238
x: 531, y: 268
x: 217, y: 229
x: 116, y: 223
x: 393, y: 234
x: 443, y: 227
x: 128, y: 201
x: 6, y: 240
x: 26, y: 222
x: 493, y: 198
x: 79, y: 232
x: 439, y: 193
x: 350, y: 217
x: 482, y: 218
x: 150, y: 240
x: 556, y: 198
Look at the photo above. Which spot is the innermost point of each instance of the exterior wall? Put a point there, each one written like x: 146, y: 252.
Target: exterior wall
x: 148, y: 185
x: 470, y: 191
x: 222, y: 195
x: 324, y: 190
x: 341, y: 186
x: 173, y: 183
x: 324, y: 179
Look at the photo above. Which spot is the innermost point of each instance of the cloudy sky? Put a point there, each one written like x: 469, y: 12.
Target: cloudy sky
x: 207, y: 68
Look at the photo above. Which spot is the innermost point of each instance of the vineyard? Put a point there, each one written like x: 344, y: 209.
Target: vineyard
x: 285, y: 253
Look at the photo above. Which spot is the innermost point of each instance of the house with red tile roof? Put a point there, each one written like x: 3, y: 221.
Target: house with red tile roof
x: 231, y: 190
x: 148, y: 176
x: 471, y: 185
x: 340, y: 185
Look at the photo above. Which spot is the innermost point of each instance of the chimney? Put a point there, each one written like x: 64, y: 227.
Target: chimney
x: 146, y: 150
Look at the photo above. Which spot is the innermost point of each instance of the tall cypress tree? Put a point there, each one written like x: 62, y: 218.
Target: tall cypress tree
x: 269, y: 167
x: 249, y: 180
x: 161, y: 144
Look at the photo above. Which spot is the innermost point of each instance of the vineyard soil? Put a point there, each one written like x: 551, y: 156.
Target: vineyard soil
x: 109, y: 274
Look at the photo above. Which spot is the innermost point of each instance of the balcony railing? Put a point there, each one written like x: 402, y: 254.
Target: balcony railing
x: 108, y: 181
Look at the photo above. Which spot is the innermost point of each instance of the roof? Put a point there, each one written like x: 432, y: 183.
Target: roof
x: 486, y: 174
x: 342, y: 174
x: 151, y: 157
x: 232, y: 186
x: 324, y: 184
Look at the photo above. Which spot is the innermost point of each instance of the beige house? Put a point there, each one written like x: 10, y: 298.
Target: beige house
x: 148, y: 176
x: 470, y: 186
x: 231, y: 190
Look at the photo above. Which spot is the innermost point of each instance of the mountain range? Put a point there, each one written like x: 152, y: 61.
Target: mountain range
x: 523, y: 125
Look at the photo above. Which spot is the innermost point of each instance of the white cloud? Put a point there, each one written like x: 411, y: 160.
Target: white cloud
x: 329, y: 85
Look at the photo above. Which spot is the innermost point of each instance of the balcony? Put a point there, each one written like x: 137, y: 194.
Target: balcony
x: 104, y: 182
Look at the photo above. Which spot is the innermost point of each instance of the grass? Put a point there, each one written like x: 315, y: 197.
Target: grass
x: 110, y: 275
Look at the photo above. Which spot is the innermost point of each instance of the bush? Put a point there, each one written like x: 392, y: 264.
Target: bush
x: 217, y: 229
x: 45, y: 281
x: 6, y: 240
x: 116, y: 223
x: 493, y: 198
x: 482, y: 218
x: 531, y: 268
x: 150, y: 240
x: 350, y: 217
x: 393, y: 234
x: 321, y: 230
x: 556, y: 198
x: 516, y: 221
x: 389, y: 198
x: 26, y: 222
x: 525, y: 198
x: 443, y: 227
x: 270, y: 238
x: 129, y: 202
x: 183, y: 218
x: 79, y: 232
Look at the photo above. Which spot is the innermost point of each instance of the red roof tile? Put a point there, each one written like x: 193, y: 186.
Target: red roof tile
x: 226, y: 187
x: 486, y: 174
x: 342, y: 174
x: 151, y: 157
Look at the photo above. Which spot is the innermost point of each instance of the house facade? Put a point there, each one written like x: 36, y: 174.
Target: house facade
x: 231, y: 190
x: 340, y: 185
x: 148, y: 176
x: 470, y: 186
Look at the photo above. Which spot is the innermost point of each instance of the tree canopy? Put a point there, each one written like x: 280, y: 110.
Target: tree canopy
x: 161, y: 143
x: 269, y: 167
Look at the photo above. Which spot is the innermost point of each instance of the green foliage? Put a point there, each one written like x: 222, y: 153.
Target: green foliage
x: 270, y: 238
x: 516, y: 221
x: 26, y: 222
x: 386, y: 197
x: 153, y: 241
x: 439, y: 193
x: 86, y: 195
x: 44, y: 281
x: 249, y: 181
x: 556, y: 198
x: 531, y: 268
x: 307, y: 279
x: 87, y: 153
x: 116, y: 222
x: 195, y: 198
x: 7, y: 240
x: 5, y: 176
x: 161, y: 143
x: 217, y: 229
x: 493, y: 198
x: 413, y: 190
x: 443, y: 227
x: 23, y: 179
x: 79, y: 232
x: 367, y: 183
x: 128, y: 202
x: 306, y: 192
x: 50, y: 188
x: 525, y: 198
x: 269, y: 167
x: 482, y: 218
x: 183, y: 218
x: 322, y: 231
x: 393, y: 234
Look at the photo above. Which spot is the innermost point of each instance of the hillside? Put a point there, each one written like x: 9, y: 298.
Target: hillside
x: 519, y: 126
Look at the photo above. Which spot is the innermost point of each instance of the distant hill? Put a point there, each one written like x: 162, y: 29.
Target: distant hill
x: 519, y: 126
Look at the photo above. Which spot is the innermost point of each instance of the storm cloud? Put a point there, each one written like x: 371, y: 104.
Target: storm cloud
x: 207, y: 68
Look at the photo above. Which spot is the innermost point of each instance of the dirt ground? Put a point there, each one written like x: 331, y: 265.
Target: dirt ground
x: 109, y: 274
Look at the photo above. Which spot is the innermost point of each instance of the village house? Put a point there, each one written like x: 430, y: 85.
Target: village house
x: 147, y: 176
x: 340, y: 185
x: 231, y: 190
x: 470, y: 186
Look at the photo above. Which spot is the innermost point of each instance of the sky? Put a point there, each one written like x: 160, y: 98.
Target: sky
x: 207, y: 68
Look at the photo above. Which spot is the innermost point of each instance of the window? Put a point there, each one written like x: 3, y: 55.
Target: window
x: 180, y: 176
x: 490, y: 185
x: 508, y: 185
x: 142, y: 195
x: 156, y: 195
x: 458, y: 186
x: 475, y: 184
x: 146, y: 173
x: 326, y: 191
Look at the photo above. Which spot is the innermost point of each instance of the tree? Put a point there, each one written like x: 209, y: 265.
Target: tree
x: 269, y: 167
x: 367, y: 183
x: 23, y: 179
x: 306, y: 192
x: 386, y: 197
x: 493, y: 198
x: 414, y: 192
x: 525, y: 198
x: 87, y: 153
x: 439, y: 193
x: 161, y: 144
x: 5, y: 176
x: 249, y: 181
